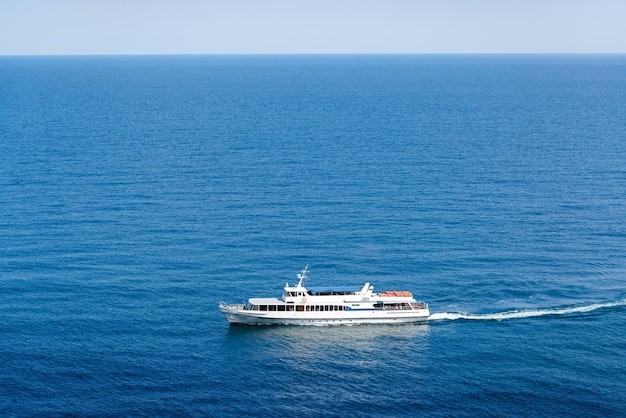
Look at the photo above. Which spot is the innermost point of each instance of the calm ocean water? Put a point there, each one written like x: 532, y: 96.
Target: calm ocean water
x: 138, y: 192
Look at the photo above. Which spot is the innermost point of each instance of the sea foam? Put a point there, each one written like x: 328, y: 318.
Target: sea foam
x: 527, y: 313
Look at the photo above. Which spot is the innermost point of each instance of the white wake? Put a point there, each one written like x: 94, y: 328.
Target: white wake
x: 526, y: 313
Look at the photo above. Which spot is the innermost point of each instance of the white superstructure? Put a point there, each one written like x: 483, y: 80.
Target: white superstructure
x: 330, y: 305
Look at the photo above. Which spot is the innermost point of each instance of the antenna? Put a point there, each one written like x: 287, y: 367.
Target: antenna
x: 304, y: 274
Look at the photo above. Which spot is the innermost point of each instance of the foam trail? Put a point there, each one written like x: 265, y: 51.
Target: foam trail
x: 526, y: 313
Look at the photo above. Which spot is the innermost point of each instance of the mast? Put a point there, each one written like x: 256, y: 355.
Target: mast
x: 304, y: 274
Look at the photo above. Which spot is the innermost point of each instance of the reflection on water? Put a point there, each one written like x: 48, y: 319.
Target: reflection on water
x: 330, y: 333
x: 347, y: 365
x: 306, y: 342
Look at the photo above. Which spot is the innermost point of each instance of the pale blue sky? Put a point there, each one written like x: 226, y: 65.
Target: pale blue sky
x: 305, y: 26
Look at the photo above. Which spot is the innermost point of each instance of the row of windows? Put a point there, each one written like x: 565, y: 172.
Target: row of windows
x: 324, y: 308
x: 299, y: 308
x: 298, y: 294
x: 321, y: 293
x: 393, y: 306
x: 333, y: 292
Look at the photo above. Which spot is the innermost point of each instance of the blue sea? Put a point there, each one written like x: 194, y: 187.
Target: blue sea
x: 137, y: 192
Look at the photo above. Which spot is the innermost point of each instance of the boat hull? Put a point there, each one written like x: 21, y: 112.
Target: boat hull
x: 236, y: 315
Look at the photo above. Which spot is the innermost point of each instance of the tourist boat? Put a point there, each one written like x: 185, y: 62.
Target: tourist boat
x: 327, y: 306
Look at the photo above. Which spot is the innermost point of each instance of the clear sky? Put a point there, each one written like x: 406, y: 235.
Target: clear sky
x: 311, y: 26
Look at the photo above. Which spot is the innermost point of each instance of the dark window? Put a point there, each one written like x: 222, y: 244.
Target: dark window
x: 272, y: 307
x: 281, y: 308
x: 300, y: 308
x: 263, y: 307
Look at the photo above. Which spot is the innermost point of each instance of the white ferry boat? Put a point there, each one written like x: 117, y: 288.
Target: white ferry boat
x: 327, y: 306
